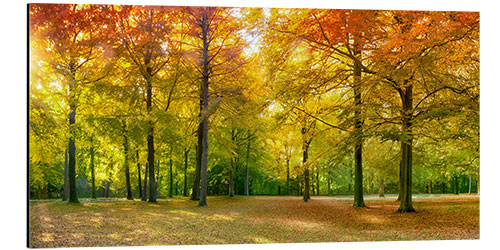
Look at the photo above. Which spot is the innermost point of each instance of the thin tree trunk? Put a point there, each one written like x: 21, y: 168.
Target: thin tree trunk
x: 186, y: 154
x: 66, y: 182
x: 139, y: 173
x: 430, y: 187
x: 455, y: 186
x: 125, y: 162
x: 144, y: 190
x: 381, y: 192
x: 288, y: 177
x: 92, y: 172
x: 317, y: 180
x: 247, y: 191
x: 204, y: 159
x: 305, y: 155
x: 230, y: 191
x: 470, y: 184
x: 171, y: 175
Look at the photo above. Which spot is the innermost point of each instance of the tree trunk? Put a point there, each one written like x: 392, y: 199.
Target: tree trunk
x: 381, y: 187
x: 455, y: 185
x: 171, y: 175
x: 125, y: 162
x: 247, y: 191
x: 204, y: 159
x: 430, y: 187
x: 186, y: 154
x: 406, y: 143
x: 230, y: 190
x: 145, y: 187
x: 358, y: 133
x: 66, y: 182
x: 73, y: 197
x: 92, y: 172
x: 317, y: 181
x: 287, y: 177
x: 195, y: 193
x: 400, y: 183
x: 150, y: 136
x: 305, y: 155
x: 158, y: 178
x: 470, y: 184
x: 329, y: 180
x: 139, y: 173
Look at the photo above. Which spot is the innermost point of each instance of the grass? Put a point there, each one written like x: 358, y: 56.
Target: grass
x: 255, y: 219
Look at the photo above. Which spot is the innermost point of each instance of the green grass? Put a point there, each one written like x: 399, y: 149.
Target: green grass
x: 259, y: 219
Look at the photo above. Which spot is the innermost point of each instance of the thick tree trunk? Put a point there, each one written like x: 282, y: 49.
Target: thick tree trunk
x: 73, y: 197
x: 358, y: 146
x: 138, y: 173
x: 195, y: 193
x: 92, y: 172
x: 125, y: 162
x: 186, y: 154
x: 407, y: 157
x: 400, y: 183
x: 204, y: 159
x: 150, y: 136
x: 66, y: 182
x: 381, y: 191
x: 145, y: 187
x: 247, y: 191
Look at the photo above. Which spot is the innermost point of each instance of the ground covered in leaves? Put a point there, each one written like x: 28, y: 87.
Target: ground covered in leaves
x: 259, y: 219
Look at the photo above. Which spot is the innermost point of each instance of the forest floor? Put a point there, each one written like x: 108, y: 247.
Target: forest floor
x: 255, y: 219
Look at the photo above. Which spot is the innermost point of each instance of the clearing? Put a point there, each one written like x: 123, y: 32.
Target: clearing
x: 255, y: 219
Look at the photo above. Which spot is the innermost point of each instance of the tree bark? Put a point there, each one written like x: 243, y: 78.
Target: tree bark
x: 144, y: 190
x: 247, y: 191
x: 195, y: 194
x: 455, y: 185
x: 92, y: 172
x: 287, y: 176
x: 406, y: 144
x: 204, y: 159
x: 186, y: 154
x: 171, y: 175
x: 66, y: 182
x: 125, y: 162
x: 73, y: 197
x: 230, y: 190
x: 381, y: 191
x: 317, y: 181
x: 470, y: 183
x: 358, y: 133
x: 139, y: 173
x: 305, y: 155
